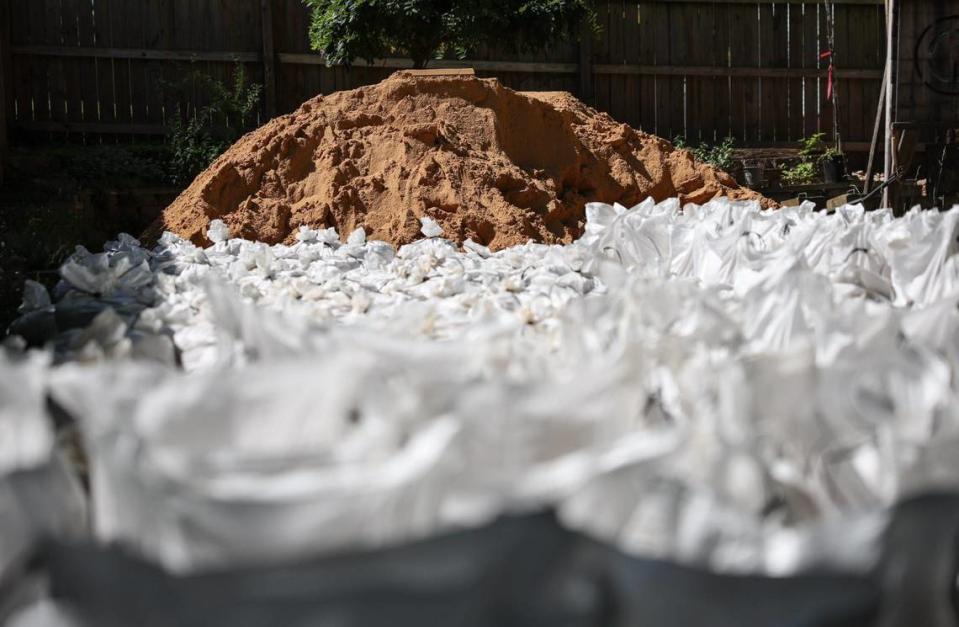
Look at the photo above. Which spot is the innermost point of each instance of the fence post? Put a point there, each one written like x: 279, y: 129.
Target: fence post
x: 586, y: 64
x: 5, y: 83
x: 269, y: 57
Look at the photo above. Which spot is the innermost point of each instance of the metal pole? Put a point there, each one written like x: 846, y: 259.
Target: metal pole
x: 890, y: 95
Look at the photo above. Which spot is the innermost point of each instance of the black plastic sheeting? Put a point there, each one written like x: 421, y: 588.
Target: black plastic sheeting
x: 524, y: 570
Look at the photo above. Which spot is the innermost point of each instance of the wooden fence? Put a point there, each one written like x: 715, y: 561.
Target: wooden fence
x: 926, y: 77
x: 106, y: 70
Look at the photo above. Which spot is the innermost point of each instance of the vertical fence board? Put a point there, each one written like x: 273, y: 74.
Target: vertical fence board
x: 617, y: 55
x: 647, y: 56
x: 778, y: 104
x: 6, y: 86
x: 61, y: 31
x: 40, y: 81
x: 703, y: 88
x: 826, y: 107
x: 105, y: 68
x: 721, y: 116
x: 632, y: 103
x: 678, y: 55
x: 90, y: 93
x: 601, y: 82
x: 794, y: 93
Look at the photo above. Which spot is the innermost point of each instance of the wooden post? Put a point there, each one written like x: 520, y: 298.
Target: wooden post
x: 880, y: 111
x: 586, y: 65
x: 890, y: 94
x: 5, y: 82
x: 269, y: 57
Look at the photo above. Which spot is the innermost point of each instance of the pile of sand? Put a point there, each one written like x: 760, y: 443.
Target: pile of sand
x: 487, y: 163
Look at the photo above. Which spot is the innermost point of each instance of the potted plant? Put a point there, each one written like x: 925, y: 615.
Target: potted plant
x: 833, y: 165
x: 802, y: 173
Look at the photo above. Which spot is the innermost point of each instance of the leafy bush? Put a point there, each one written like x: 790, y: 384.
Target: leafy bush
x: 800, y: 174
x: 195, y: 141
x: 345, y: 30
x: 719, y: 155
x: 812, y: 147
x: 815, y: 148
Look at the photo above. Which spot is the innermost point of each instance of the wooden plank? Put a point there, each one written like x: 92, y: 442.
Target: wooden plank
x: 6, y: 85
x: 699, y: 89
x: 56, y: 126
x: 442, y: 72
x: 131, y: 23
x: 65, y: 100
x: 748, y: 29
x: 767, y: 94
x: 825, y: 106
x: 617, y: 55
x: 678, y: 56
x: 269, y: 57
x: 157, y: 21
x: 105, y: 68
x: 753, y: 3
x: 665, y: 69
x: 721, y: 97
x: 146, y: 53
x: 174, y: 74
x: 39, y: 80
x: 88, y: 74
x: 857, y: 111
x: 586, y: 88
x: 118, y: 35
x: 20, y: 70
x: 736, y: 55
x: 794, y: 91
x: 400, y: 64
x: 647, y: 56
x: 779, y: 104
x: 632, y: 101
x: 710, y: 99
x: 744, y: 72
x: 810, y: 60
x: 601, y: 82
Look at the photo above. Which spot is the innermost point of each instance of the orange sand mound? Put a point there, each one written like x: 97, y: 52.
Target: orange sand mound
x: 487, y: 163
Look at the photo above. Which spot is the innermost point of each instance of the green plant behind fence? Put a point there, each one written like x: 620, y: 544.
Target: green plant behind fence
x: 719, y: 155
x: 195, y: 141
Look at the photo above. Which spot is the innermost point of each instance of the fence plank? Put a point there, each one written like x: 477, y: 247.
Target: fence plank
x: 721, y: 115
x: 678, y: 56
x: 90, y: 91
x: 826, y: 108
x: 269, y: 56
x: 601, y: 81
x: 647, y: 56
x: 6, y: 86
x: 794, y: 93
x: 810, y: 60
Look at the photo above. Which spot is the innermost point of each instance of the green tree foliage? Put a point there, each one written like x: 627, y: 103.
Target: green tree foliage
x: 421, y: 30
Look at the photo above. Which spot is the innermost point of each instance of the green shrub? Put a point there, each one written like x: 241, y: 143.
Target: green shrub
x: 421, y: 30
x: 719, y: 155
x: 800, y: 174
x: 195, y: 141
